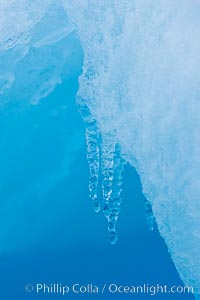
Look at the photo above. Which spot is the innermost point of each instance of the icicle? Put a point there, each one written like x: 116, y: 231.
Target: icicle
x: 92, y: 138
x: 115, y: 199
x: 112, y: 167
x: 107, y: 168
x: 149, y: 215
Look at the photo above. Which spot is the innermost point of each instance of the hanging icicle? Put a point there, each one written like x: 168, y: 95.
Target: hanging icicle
x: 92, y: 138
x: 93, y: 156
x: 103, y: 154
x: 115, y: 199
x: 112, y: 167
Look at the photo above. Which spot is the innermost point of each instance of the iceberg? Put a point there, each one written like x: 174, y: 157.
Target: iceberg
x: 138, y: 95
x: 140, y: 82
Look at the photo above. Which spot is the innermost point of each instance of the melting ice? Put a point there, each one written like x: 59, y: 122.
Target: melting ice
x: 139, y: 96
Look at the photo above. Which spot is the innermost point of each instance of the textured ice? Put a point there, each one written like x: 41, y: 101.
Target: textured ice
x: 141, y: 82
x: 139, y: 92
x: 41, y: 56
x: 18, y: 20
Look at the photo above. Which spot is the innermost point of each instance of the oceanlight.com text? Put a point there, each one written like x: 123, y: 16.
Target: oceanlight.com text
x: 109, y: 288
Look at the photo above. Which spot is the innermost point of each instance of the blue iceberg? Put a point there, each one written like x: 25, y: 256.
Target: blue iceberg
x: 138, y: 95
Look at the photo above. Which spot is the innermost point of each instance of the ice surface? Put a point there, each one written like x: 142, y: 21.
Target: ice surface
x: 139, y: 92
x: 141, y: 82
x: 18, y: 20
x: 39, y: 59
x: 36, y: 150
